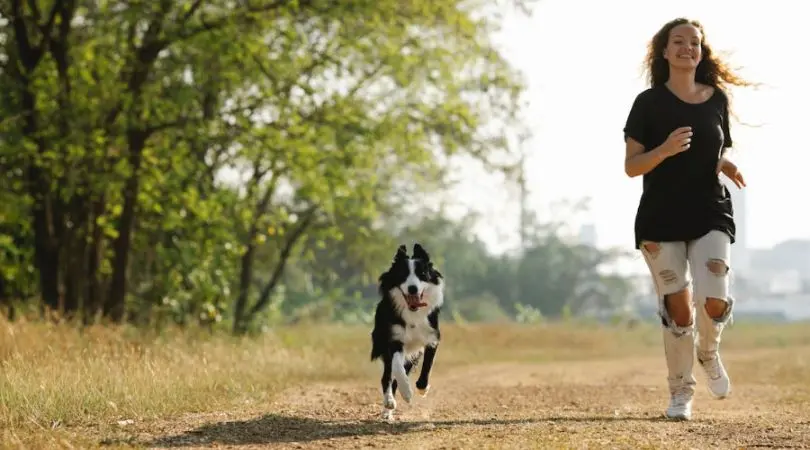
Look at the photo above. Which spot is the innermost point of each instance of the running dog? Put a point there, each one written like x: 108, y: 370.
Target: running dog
x: 406, y: 323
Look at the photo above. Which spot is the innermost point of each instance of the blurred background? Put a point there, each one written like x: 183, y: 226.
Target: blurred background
x: 243, y: 164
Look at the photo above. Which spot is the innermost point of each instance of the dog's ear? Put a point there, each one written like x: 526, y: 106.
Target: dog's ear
x: 402, y: 253
x: 420, y: 253
x: 434, y: 272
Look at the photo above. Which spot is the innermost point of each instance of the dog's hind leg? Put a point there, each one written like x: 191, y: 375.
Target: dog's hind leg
x: 389, y: 402
x: 423, y: 382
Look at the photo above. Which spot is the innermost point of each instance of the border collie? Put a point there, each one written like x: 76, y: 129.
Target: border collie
x: 406, y: 323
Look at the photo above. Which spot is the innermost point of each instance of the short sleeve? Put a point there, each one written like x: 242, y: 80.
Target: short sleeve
x: 636, y: 125
x: 727, y: 141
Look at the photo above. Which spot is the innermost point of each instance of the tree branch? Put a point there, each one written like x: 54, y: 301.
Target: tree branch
x: 196, y: 121
x: 194, y: 7
x: 219, y: 22
x: 293, y: 238
x: 35, y: 9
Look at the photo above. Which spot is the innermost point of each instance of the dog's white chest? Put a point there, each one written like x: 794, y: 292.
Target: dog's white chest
x: 414, y: 336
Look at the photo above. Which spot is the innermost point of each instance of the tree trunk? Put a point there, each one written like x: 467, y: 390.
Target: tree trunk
x: 92, y: 297
x: 115, y: 307
x: 44, y: 211
x: 245, y: 278
x: 74, y: 275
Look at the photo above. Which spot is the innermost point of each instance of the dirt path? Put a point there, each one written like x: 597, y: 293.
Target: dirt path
x: 594, y: 404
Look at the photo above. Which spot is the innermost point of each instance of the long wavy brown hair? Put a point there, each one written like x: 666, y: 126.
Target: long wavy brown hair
x: 711, y: 70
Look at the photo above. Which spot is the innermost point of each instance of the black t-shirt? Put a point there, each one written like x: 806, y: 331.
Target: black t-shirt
x: 682, y: 198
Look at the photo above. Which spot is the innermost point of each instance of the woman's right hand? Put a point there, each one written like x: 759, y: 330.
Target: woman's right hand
x: 677, y: 142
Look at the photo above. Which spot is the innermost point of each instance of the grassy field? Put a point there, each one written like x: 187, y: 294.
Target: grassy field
x: 494, y: 386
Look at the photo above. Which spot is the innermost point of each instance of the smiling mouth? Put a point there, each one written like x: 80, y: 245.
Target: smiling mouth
x: 415, y: 301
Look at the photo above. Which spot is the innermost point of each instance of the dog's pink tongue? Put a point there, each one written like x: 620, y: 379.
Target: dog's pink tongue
x: 415, y: 301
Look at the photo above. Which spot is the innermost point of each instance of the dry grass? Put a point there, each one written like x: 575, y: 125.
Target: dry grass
x: 61, y: 387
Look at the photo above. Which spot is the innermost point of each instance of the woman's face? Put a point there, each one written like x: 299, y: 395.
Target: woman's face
x: 683, y: 48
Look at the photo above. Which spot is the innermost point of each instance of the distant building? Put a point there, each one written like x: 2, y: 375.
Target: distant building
x: 587, y: 235
x: 793, y: 254
x: 740, y: 252
x: 782, y: 269
x: 784, y: 308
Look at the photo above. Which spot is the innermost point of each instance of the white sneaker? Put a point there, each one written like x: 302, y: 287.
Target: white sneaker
x: 718, y: 381
x: 680, y: 406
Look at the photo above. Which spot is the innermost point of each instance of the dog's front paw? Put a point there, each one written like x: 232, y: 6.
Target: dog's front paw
x: 423, y: 392
x: 388, y: 414
x: 406, y: 392
x: 389, y: 402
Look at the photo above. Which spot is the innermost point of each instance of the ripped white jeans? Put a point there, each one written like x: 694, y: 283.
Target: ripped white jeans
x: 702, y: 264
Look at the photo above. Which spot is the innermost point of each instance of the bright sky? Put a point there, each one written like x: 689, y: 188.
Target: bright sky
x: 582, y: 61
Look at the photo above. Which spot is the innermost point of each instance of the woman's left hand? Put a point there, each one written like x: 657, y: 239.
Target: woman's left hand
x: 730, y: 170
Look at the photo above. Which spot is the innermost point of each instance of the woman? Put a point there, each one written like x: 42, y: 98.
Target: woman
x: 676, y: 136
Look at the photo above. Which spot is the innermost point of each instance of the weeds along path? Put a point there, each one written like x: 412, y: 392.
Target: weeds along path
x: 613, y: 403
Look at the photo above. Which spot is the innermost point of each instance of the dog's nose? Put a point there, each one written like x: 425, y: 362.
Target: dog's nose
x: 412, y: 290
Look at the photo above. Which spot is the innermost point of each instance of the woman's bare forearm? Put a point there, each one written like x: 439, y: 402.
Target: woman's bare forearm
x: 643, y: 163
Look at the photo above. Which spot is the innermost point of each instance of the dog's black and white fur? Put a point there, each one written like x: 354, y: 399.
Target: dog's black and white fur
x: 406, y: 323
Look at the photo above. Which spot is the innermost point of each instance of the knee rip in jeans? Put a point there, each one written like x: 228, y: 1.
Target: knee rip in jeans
x: 719, y: 309
x: 669, y: 322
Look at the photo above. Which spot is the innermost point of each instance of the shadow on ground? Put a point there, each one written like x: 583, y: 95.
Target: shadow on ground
x: 274, y: 428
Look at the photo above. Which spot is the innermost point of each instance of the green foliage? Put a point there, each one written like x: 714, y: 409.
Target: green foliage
x: 527, y: 314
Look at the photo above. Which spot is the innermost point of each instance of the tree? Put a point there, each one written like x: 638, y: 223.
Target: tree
x: 123, y: 120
